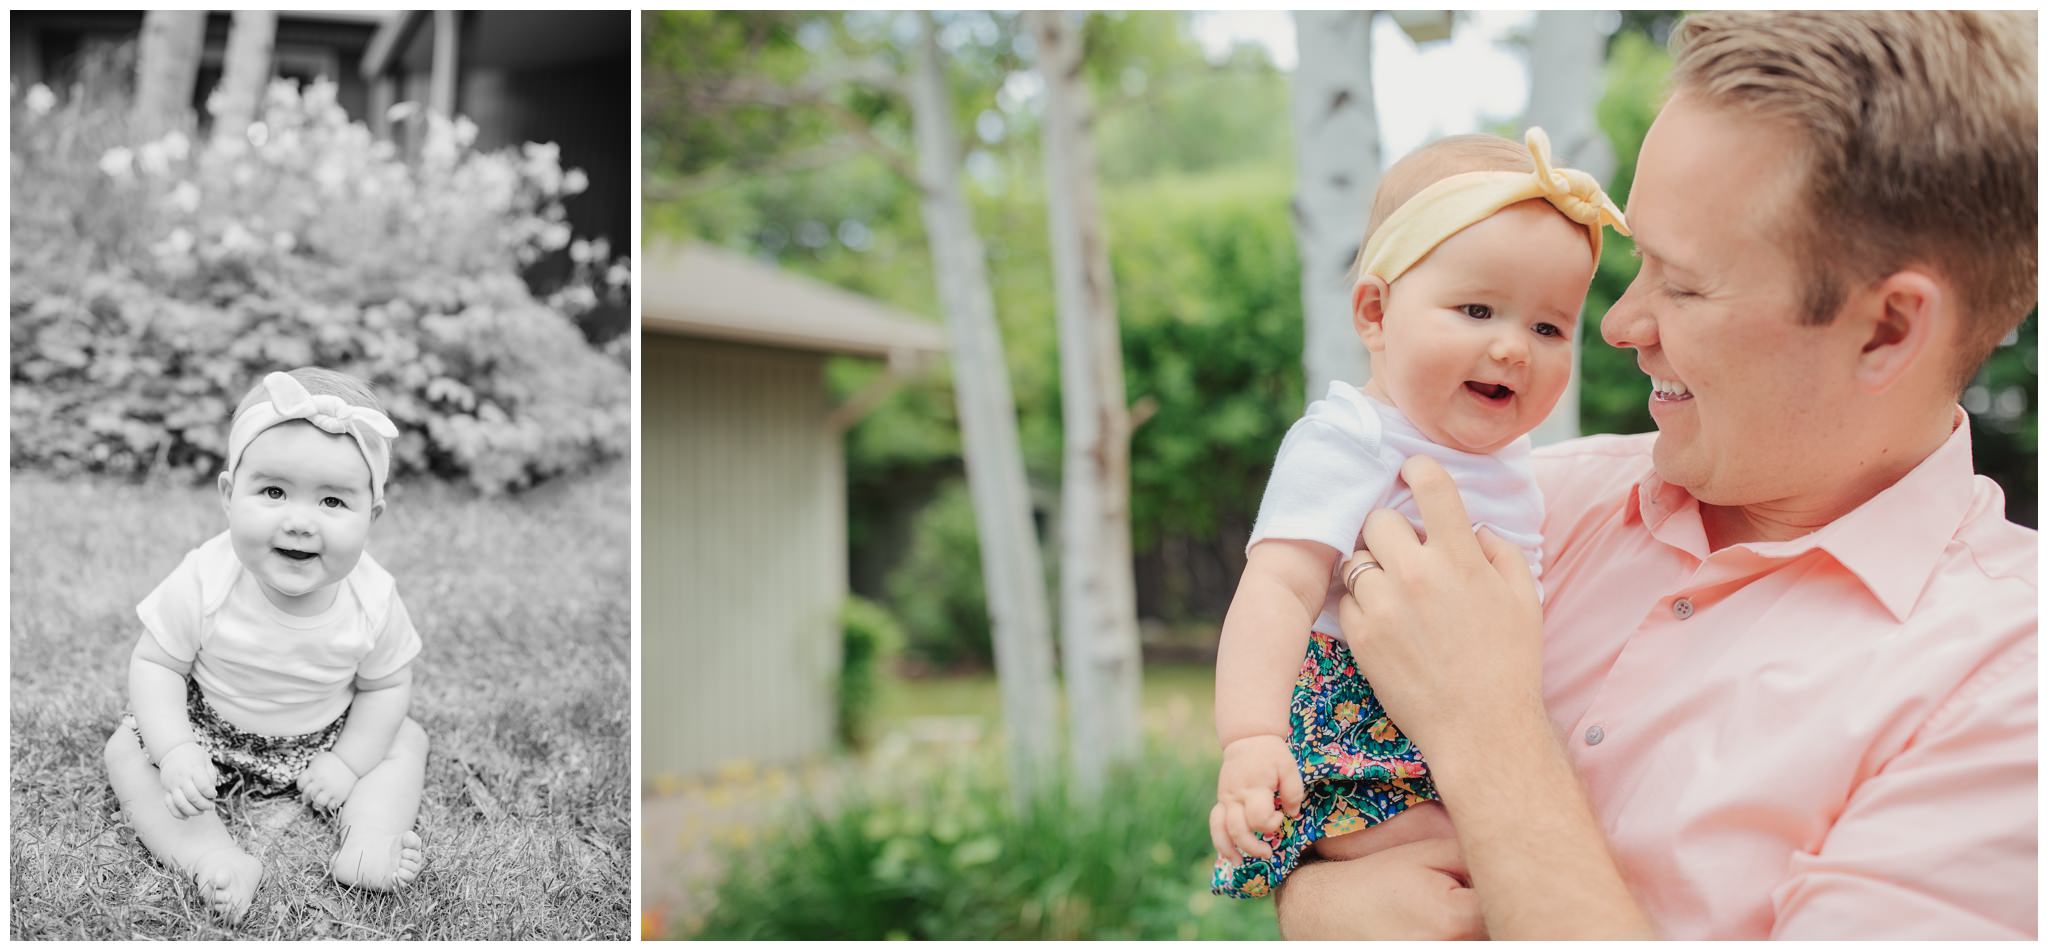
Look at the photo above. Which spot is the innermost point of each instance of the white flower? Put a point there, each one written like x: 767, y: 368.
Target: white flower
x: 579, y: 251
x: 575, y: 182
x: 465, y: 132
x: 41, y: 100
x: 284, y: 242
x: 152, y: 160
x: 401, y: 112
x: 237, y: 240
x: 118, y: 163
x: 178, y: 242
x: 330, y: 175
x: 177, y: 146
x: 618, y: 276
x: 554, y: 237
x: 185, y: 197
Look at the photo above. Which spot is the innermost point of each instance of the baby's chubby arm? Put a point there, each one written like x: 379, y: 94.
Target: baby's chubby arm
x: 1265, y: 635
x: 156, y: 695
x: 374, y: 717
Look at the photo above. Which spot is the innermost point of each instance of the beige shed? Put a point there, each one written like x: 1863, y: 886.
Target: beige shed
x: 743, y: 501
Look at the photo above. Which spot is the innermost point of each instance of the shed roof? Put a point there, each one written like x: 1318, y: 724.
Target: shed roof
x: 696, y: 290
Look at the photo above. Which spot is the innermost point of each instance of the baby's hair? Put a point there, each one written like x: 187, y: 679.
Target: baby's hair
x: 318, y: 381
x: 1432, y: 163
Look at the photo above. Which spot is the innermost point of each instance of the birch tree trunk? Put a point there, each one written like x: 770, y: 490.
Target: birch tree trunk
x: 245, y: 74
x: 1337, y: 166
x: 1565, y: 58
x: 1098, y: 601
x: 1010, y: 565
x: 166, y: 68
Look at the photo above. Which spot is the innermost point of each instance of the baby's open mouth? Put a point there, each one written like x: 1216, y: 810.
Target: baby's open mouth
x: 295, y: 554
x: 1497, y: 392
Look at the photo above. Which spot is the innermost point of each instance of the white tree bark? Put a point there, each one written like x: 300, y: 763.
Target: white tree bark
x: 1010, y: 564
x: 166, y: 69
x: 245, y: 73
x: 1098, y: 600
x: 1337, y: 166
x: 1565, y: 58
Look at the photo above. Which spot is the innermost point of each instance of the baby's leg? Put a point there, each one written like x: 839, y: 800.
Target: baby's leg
x: 199, y: 846
x: 379, y: 850
x: 1426, y: 820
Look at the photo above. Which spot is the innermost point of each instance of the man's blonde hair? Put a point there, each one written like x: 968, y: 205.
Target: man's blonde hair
x: 1432, y: 163
x: 1918, y: 134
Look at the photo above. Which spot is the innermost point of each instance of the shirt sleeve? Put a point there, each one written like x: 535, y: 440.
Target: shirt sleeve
x: 397, y: 644
x: 1326, y: 478
x: 174, y: 611
x: 1941, y: 842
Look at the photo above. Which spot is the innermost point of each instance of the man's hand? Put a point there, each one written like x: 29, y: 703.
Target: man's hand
x: 1449, y: 631
x: 1255, y: 770
x: 1418, y: 890
x: 326, y: 783
x: 189, y: 780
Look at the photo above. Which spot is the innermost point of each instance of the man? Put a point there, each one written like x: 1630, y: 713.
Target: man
x: 1785, y: 682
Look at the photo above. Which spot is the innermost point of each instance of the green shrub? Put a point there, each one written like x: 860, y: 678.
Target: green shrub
x: 936, y: 591
x: 870, y: 639
x: 155, y: 282
x: 952, y: 861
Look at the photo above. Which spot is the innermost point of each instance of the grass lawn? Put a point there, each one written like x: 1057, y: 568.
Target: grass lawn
x: 523, y: 687
x: 1178, y: 701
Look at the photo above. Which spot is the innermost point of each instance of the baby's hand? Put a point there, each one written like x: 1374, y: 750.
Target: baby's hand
x: 189, y: 780
x: 1255, y: 770
x: 326, y: 783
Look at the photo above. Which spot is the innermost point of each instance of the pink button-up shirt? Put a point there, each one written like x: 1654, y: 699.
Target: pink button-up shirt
x: 1829, y: 737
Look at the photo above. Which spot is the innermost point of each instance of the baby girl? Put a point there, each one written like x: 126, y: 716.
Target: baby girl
x: 278, y: 656
x: 1477, y: 257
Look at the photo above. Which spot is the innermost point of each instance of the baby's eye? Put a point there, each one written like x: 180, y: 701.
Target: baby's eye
x: 1549, y: 330
x: 273, y: 492
x: 333, y: 503
x: 1477, y: 311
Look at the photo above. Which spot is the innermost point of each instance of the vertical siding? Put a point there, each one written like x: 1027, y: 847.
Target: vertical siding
x: 743, y: 555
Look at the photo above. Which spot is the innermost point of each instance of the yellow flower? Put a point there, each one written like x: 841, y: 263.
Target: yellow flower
x: 1383, y: 730
x: 1347, y: 712
x: 1257, y: 887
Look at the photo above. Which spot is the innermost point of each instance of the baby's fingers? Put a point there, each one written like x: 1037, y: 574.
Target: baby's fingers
x: 1241, y: 833
x: 1291, y: 791
x: 1220, y: 837
x: 1259, y: 813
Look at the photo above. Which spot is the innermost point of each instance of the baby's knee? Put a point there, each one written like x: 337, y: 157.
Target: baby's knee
x: 123, y: 747
x: 411, y: 739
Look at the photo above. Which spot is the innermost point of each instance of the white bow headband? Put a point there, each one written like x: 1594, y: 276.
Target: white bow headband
x: 372, y: 430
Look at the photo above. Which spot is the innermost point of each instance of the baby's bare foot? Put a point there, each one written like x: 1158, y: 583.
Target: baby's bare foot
x: 379, y: 862
x: 227, y: 880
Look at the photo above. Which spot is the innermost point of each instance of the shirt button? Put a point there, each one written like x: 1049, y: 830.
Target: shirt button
x: 1682, y: 608
x: 1594, y: 735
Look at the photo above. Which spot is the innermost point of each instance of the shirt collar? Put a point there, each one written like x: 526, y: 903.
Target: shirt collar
x: 1891, y: 542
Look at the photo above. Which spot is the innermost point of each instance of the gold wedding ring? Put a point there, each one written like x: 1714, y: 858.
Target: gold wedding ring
x: 1351, y: 577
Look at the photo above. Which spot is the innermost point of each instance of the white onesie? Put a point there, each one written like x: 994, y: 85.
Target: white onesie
x: 1343, y: 458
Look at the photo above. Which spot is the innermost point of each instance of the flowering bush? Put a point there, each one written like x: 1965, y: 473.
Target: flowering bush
x: 154, y: 283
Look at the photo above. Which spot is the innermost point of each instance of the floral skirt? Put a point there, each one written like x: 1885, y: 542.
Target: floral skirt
x: 262, y: 765
x: 1358, y: 770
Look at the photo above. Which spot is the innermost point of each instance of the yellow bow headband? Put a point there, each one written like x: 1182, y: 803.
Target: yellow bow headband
x: 1455, y: 203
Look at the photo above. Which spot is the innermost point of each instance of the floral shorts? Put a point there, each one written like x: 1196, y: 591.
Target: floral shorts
x: 262, y: 765
x: 1359, y: 771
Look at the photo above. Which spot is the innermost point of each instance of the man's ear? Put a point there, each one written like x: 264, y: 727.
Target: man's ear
x: 1368, y: 310
x: 1900, y: 318
x: 227, y: 490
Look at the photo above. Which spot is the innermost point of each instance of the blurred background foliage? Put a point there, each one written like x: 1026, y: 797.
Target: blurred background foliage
x: 1197, y: 176
x: 153, y: 282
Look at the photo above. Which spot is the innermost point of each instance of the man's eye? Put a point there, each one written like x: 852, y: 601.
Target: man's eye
x: 1477, y: 311
x: 333, y: 503
x: 1677, y: 293
x: 273, y: 492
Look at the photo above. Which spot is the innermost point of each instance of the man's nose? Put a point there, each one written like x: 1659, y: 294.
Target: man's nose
x: 1628, y: 322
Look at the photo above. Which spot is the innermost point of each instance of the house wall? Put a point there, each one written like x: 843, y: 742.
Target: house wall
x: 743, y: 555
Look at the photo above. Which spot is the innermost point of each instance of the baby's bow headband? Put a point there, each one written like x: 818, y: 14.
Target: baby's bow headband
x: 1459, y: 201
x: 372, y: 430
